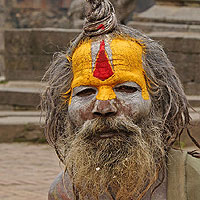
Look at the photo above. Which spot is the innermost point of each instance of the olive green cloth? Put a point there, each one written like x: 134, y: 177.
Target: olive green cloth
x: 183, y: 176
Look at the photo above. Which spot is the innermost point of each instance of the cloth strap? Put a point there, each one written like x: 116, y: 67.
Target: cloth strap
x: 183, y: 176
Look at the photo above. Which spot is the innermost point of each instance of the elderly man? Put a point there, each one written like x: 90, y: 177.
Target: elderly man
x: 114, y: 107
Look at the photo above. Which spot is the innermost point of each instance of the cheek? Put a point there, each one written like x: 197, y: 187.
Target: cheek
x: 131, y: 110
x: 145, y: 107
x: 135, y: 107
x: 79, y: 113
x: 142, y: 108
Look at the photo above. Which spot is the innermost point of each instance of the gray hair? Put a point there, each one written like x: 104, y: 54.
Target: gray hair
x: 164, y: 86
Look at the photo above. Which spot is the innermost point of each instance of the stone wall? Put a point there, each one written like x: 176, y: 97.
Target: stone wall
x: 29, y: 51
x: 54, y: 13
x: 183, y: 49
x: 37, y: 13
x: 2, y: 10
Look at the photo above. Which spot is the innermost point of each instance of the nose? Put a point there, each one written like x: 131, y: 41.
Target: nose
x: 104, y: 108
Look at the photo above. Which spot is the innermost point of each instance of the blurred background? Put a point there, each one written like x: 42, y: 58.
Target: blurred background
x: 31, y: 31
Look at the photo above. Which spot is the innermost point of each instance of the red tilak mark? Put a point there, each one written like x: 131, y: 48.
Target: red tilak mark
x: 101, y: 26
x: 103, y: 68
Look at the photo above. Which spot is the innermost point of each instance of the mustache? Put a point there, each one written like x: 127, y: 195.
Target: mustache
x: 118, y: 126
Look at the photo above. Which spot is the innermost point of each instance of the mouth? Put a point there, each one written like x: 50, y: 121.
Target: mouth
x: 112, y: 134
x: 107, y: 135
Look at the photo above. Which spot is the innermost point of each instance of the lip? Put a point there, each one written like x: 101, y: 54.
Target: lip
x: 107, y: 135
x: 111, y: 134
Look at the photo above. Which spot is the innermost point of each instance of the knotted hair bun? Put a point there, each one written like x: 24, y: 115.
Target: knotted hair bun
x: 100, y: 17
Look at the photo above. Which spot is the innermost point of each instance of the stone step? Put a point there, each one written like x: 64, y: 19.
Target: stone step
x: 170, y: 14
x: 194, y: 101
x: 148, y: 27
x: 20, y: 94
x: 20, y: 126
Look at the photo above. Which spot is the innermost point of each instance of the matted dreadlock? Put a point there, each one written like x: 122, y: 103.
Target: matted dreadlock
x: 165, y: 89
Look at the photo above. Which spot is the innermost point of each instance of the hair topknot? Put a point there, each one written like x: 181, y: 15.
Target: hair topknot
x: 100, y: 18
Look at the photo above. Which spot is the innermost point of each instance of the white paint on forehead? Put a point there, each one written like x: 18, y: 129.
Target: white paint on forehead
x: 109, y: 52
x: 95, y: 47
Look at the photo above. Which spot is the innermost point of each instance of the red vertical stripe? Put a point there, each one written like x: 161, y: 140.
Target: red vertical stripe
x: 103, y: 69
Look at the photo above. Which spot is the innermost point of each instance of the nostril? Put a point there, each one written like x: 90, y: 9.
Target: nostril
x: 104, y: 108
x: 97, y: 114
x: 107, y: 114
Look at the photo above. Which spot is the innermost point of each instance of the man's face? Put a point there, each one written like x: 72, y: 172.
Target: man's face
x: 108, y: 81
x: 114, y: 144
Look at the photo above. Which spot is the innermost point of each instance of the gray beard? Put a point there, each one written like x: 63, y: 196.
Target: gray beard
x: 122, y: 166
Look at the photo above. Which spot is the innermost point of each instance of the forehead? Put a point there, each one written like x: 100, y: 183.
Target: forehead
x: 106, y: 58
x: 108, y: 62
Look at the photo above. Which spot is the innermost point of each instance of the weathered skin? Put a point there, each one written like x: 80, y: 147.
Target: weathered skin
x: 129, y: 102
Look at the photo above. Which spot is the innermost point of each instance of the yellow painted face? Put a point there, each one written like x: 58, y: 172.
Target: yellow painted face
x: 104, y: 64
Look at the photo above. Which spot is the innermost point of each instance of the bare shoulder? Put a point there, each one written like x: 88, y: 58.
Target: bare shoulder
x: 61, y: 188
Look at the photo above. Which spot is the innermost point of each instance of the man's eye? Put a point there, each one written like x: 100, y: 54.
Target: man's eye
x: 126, y: 89
x: 86, y: 92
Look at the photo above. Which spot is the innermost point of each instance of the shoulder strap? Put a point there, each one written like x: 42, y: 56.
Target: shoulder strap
x: 193, y: 177
x: 176, y: 186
